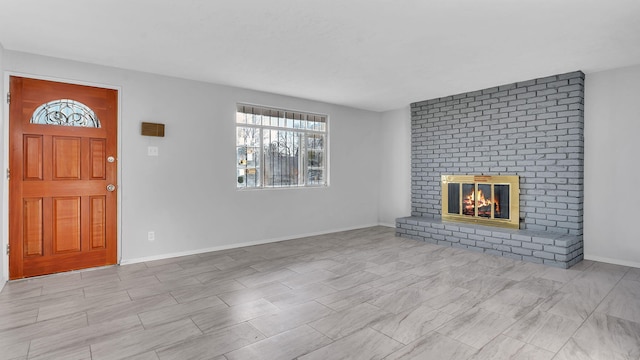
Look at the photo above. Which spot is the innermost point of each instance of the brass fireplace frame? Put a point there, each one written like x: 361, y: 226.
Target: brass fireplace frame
x: 514, y: 198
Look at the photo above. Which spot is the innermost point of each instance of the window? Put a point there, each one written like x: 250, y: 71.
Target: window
x: 65, y: 112
x: 280, y: 148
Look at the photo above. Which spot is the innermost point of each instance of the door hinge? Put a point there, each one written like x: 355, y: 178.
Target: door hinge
x: 8, y: 173
x: 8, y: 249
x: 8, y: 98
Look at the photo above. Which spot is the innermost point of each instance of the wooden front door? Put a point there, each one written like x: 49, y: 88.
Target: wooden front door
x: 62, y: 161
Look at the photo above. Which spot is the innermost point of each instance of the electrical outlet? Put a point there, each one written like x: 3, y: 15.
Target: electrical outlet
x: 152, y: 151
x: 151, y: 235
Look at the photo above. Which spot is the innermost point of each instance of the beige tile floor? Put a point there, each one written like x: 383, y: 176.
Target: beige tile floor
x: 361, y: 294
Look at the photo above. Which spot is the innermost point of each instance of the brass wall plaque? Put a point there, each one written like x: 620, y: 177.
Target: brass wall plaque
x: 152, y: 129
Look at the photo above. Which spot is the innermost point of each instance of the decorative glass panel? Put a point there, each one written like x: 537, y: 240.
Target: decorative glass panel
x: 65, y: 112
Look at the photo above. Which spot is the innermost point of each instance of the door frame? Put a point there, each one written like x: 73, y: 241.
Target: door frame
x: 5, y: 161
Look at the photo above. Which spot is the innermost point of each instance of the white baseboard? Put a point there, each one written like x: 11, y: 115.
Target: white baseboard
x: 237, y: 245
x: 387, y: 225
x: 634, y: 264
x: 2, y: 282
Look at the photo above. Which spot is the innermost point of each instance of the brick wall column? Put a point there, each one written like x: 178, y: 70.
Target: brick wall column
x: 533, y: 129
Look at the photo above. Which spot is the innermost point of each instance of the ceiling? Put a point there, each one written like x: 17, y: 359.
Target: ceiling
x: 370, y: 54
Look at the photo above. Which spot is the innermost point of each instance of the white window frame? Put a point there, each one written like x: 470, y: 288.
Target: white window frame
x: 302, y: 125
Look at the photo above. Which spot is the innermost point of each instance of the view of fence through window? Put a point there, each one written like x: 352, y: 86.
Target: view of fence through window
x: 280, y: 148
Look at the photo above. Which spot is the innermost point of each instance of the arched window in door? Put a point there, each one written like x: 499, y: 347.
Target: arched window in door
x: 65, y: 112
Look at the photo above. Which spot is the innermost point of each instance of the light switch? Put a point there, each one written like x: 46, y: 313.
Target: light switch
x: 152, y: 151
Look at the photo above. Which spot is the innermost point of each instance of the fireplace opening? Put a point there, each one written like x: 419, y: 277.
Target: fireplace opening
x: 491, y: 200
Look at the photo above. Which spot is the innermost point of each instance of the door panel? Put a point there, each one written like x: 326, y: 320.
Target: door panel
x: 97, y: 155
x: 66, y: 224
x: 33, y: 219
x: 97, y: 220
x: 66, y: 158
x: 33, y: 165
x: 61, y: 217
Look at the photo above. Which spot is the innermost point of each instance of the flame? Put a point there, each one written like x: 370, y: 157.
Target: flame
x: 480, y: 201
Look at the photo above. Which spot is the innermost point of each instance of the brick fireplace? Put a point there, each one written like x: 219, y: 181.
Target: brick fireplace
x: 532, y: 129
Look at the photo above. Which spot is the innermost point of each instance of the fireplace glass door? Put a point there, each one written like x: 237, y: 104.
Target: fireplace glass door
x: 480, y: 199
x: 484, y: 200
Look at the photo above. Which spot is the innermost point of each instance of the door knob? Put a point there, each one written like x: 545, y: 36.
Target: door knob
x: 111, y: 187
x: 111, y: 159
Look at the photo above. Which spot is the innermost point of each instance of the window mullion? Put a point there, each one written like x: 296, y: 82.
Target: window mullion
x: 302, y: 161
x: 262, y: 159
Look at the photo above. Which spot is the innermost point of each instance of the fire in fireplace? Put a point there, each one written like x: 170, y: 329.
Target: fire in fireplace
x: 488, y: 200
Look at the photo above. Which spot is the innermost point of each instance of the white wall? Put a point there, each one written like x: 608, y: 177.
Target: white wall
x: 187, y: 195
x: 612, y: 166
x: 395, y: 166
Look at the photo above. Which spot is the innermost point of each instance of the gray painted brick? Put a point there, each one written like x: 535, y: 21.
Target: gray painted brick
x: 512, y: 242
x: 501, y: 235
x: 476, y: 237
x: 483, y: 232
x: 544, y: 255
x: 459, y: 235
x: 521, y: 251
x: 468, y: 242
x: 445, y: 232
x: 525, y: 238
x: 532, y: 246
x: 565, y: 242
x: 502, y: 248
x: 493, y: 240
x: 542, y: 240
x: 484, y: 244
x: 556, y: 249
x: 538, y: 123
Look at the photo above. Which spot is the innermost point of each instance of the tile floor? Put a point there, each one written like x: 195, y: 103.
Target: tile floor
x: 361, y: 294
